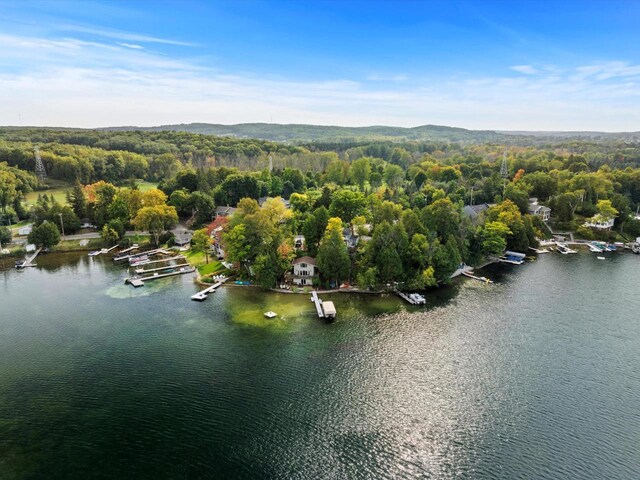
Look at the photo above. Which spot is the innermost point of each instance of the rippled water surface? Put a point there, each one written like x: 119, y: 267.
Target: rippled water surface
x: 536, y: 376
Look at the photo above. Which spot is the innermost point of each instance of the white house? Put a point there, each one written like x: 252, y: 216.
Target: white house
x: 304, y: 270
x: 600, y: 223
x: 26, y: 230
x: 539, y: 210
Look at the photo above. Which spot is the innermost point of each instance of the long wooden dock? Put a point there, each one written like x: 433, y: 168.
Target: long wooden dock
x: 202, y: 294
x: 28, y: 262
x: 318, y: 303
x: 177, y: 257
x: 139, y: 281
x: 142, y: 271
x: 119, y: 257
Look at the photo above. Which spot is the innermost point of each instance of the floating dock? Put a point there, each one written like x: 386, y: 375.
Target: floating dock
x: 202, y: 294
x: 28, y: 262
x: 139, y: 281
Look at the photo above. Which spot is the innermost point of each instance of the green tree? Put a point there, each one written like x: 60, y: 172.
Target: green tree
x: 109, y: 235
x: 5, y: 235
x: 347, y: 204
x: 333, y: 259
x: 45, y: 235
x: 494, y: 237
x: 156, y: 220
x: 201, y: 243
x: 360, y: 172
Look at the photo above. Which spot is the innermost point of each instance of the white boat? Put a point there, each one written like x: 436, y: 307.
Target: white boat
x: 595, y: 248
x: 563, y: 249
x: 270, y: 314
x: 601, y: 258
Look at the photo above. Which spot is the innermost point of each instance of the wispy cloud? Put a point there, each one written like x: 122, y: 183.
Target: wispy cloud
x: 120, y: 35
x: 131, y: 45
x: 73, y: 82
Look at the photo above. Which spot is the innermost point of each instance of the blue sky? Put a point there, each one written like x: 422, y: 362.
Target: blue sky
x: 508, y: 65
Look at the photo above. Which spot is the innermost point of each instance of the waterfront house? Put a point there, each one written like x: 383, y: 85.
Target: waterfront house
x: 599, y: 222
x: 183, y: 239
x: 224, y: 211
x: 305, y: 270
x: 217, y: 247
x: 26, y: 230
x: 474, y: 211
x: 539, y: 210
x: 262, y: 200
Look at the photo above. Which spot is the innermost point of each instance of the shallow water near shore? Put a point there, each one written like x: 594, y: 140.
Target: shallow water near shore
x: 535, y: 376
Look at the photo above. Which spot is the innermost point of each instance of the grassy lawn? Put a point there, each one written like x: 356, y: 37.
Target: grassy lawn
x: 143, y: 185
x: 71, y: 245
x: 211, y: 268
x: 198, y: 260
x: 58, y: 190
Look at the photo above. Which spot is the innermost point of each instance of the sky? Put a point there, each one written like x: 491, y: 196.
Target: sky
x: 491, y: 65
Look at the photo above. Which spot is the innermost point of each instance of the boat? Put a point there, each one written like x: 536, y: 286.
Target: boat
x: 539, y: 250
x: 417, y: 299
x: 94, y: 253
x: 563, y: 249
x: 601, y: 258
x: 514, y: 258
x: 270, y: 314
x: 635, y: 248
x: 595, y: 248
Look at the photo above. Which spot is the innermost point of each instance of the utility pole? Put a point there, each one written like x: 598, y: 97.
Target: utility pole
x: 504, y: 172
x: 61, y: 224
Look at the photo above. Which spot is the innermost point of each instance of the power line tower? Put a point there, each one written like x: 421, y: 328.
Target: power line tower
x: 41, y: 173
x: 504, y: 171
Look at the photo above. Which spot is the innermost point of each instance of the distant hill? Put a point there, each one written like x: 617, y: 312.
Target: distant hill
x: 309, y: 133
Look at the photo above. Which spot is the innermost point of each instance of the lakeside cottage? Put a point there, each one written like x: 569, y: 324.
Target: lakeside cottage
x: 539, y: 210
x: 305, y: 270
x: 183, y: 239
x: 474, y: 211
x: 224, y: 211
x: 600, y: 223
x: 262, y: 200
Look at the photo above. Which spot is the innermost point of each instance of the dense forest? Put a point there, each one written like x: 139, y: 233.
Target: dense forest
x: 399, y: 204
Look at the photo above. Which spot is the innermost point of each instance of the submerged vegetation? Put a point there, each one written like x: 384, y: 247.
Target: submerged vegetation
x: 371, y: 213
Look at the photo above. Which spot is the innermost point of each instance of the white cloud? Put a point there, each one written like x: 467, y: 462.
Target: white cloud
x: 71, y: 82
x: 526, y: 69
x: 131, y: 45
x: 120, y: 35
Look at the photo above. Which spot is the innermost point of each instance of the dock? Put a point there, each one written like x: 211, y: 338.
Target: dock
x: 28, y: 262
x: 121, y: 257
x: 413, y: 298
x: 142, y: 271
x: 177, y: 257
x: 139, y: 281
x: 202, y: 294
x: 318, y: 303
x: 135, y: 246
x: 480, y: 279
x: 323, y: 309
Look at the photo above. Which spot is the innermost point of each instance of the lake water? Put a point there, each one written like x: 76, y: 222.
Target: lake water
x: 536, y: 376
